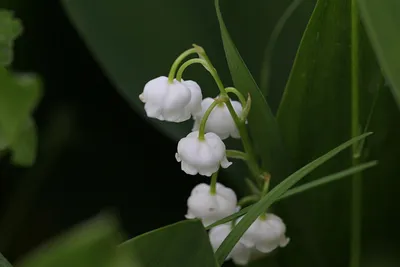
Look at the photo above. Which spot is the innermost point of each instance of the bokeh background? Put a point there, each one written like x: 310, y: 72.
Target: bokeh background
x: 95, y: 151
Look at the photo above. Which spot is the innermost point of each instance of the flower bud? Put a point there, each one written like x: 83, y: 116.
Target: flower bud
x: 202, y: 156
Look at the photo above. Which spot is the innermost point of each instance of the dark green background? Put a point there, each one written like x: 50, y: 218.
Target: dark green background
x: 95, y: 151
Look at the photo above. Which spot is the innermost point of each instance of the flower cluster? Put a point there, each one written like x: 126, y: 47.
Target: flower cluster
x: 203, y: 152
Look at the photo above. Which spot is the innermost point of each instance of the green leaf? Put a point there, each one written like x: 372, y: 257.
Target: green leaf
x: 132, y: 53
x: 24, y: 146
x: 269, y: 50
x: 4, y: 262
x: 10, y: 29
x: 314, y: 115
x: 92, y: 244
x: 182, y: 244
x: 19, y: 95
x: 382, y: 23
x: 301, y: 189
x: 262, y: 124
x: 327, y: 179
x: 273, y: 195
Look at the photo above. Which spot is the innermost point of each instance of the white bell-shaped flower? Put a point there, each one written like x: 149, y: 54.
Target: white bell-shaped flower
x: 220, y: 120
x: 240, y: 254
x: 202, y: 156
x: 266, y: 234
x: 170, y: 101
x: 194, y: 105
x: 211, y: 207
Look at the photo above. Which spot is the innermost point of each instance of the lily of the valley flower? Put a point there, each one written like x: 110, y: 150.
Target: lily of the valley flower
x: 266, y: 234
x: 240, y: 254
x: 220, y: 120
x: 175, y: 101
x: 202, y: 156
x: 196, y: 97
x: 211, y: 207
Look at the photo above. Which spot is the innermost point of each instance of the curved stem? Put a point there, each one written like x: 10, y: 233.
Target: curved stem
x: 178, y: 61
x: 251, y: 160
x: 235, y: 91
x: 356, y: 198
x: 213, y: 184
x: 253, y: 188
x: 203, y: 121
x: 248, y: 200
x: 187, y: 64
x: 267, y: 178
x: 236, y: 154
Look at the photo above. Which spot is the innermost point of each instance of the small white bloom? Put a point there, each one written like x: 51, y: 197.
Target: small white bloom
x: 196, y: 97
x: 220, y: 120
x: 266, y: 234
x: 202, y: 156
x: 211, y: 208
x: 240, y: 254
x: 170, y: 101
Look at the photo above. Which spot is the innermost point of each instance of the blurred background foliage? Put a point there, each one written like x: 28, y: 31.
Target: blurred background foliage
x: 95, y: 152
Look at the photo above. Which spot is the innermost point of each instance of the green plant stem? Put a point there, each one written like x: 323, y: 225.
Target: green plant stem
x: 251, y: 160
x: 236, y: 154
x: 213, y: 184
x: 187, y: 64
x: 203, y: 121
x: 356, y: 198
x: 248, y: 200
x: 235, y: 91
x: 177, y: 61
x: 253, y: 188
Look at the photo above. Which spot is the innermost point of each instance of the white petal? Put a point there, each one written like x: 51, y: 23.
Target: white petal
x: 141, y: 97
x: 189, y: 216
x: 209, y: 171
x: 177, y: 97
x: 235, y: 133
x: 153, y: 111
x: 188, y: 169
x: 196, y: 125
x: 218, y: 234
x: 241, y: 256
x: 284, y: 241
x: 247, y: 242
x: 166, y: 101
x: 225, y: 163
x: 200, y: 189
x: 227, y: 193
x: 202, y: 156
x: 266, y: 247
x: 196, y: 97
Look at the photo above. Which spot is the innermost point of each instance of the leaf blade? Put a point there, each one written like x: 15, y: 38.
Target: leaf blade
x: 191, y: 246
x: 327, y: 179
x: 90, y: 244
x: 4, y: 262
x: 272, y: 195
x: 262, y: 124
x: 382, y: 22
x: 10, y: 29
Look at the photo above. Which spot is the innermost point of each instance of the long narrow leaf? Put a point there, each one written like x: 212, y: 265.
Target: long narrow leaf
x: 327, y: 179
x: 321, y: 181
x: 382, y: 21
x: 266, y: 64
x: 4, y: 262
x: 273, y: 195
x: 262, y: 124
